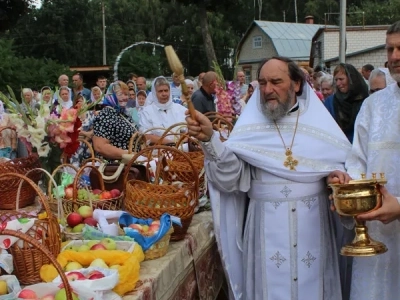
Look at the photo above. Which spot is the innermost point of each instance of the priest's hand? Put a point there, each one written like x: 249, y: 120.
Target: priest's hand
x: 389, y: 211
x: 337, y: 177
x: 200, y: 128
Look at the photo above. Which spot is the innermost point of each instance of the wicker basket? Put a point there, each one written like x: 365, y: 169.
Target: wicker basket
x: 160, y: 248
x: 147, y: 200
x: 45, y: 253
x: 8, y: 186
x: 27, y: 260
x: 70, y: 205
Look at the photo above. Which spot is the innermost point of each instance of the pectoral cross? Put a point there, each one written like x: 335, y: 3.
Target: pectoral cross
x: 290, y: 162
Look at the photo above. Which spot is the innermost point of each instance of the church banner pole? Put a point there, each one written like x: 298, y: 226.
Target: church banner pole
x: 342, y: 39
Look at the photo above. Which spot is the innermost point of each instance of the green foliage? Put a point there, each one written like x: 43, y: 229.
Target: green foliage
x: 20, y: 72
x: 11, y: 11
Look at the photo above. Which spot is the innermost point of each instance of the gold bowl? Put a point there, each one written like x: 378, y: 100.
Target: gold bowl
x: 355, y: 198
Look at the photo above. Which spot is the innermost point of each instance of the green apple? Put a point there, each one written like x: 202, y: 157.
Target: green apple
x: 83, y: 248
x: 85, y: 211
x: 90, y: 244
x: 62, y: 295
x: 109, y: 244
x: 72, y: 266
x: 98, y: 262
x: 78, y: 228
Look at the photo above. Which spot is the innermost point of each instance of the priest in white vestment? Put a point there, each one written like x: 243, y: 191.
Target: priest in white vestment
x: 280, y: 245
x: 376, y: 149
x: 161, y: 113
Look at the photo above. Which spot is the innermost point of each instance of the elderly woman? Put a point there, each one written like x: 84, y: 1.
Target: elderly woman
x: 345, y: 103
x: 27, y: 95
x: 162, y: 112
x: 46, y: 95
x: 326, y: 85
x: 182, y: 100
x: 96, y: 94
x: 379, y: 79
x: 112, y: 128
x: 64, y: 98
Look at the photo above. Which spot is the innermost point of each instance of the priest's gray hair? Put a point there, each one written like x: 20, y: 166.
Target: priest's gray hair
x: 295, y: 73
x: 161, y: 81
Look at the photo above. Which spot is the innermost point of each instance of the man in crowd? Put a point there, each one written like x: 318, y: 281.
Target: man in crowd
x: 102, y: 83
x: 141, y: 84
x: 279, y: 245
x: 176, y: 88
x: 63, y: 80
x: 133, y: 77
x: 242, y: 81
x: 366, y: 71
x: 78, y: 88
x: 376, y: 150
x: 203, y: 98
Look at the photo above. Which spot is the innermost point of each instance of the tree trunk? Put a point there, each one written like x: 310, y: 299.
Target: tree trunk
x: 208, y: 43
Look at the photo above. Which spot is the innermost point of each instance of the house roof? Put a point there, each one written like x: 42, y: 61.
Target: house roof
x: 289, y: 39
x: 358, y: 52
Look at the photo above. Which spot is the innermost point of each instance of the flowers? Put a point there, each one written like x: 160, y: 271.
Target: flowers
x: 45, y: 132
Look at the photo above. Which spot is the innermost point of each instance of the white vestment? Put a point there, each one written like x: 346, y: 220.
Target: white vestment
x: 287, y: 248
x: 376, y: 149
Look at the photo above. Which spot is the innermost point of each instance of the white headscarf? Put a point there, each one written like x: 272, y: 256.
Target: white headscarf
x: 64, y: 104
x: 188, y: 81
x: 163, y: 106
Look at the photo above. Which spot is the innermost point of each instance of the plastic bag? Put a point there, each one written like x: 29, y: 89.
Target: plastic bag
x: 146, y: 241
x: 13, y: 287
x: 44, y: 289
x: 128, y: 270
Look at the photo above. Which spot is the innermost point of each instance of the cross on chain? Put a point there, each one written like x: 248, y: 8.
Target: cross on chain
x: 290, y: 162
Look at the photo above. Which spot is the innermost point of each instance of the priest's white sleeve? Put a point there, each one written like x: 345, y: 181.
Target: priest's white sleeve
x: 224, y: 169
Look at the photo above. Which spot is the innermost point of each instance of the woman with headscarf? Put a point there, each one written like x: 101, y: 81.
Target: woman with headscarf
x: 379, y: 79
x: 345, y: 103
x: 140, y: 104
x: 112, y: 127
x: 250, y: 90
x: 8, y: 137
x: 46, y: 96
x: 96, y: 94
x: 190, y: 88
x: 162, y: 112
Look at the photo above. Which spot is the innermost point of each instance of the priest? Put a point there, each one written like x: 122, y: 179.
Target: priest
x: 280, y: 243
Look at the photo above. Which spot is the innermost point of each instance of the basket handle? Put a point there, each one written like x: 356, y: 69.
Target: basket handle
x: 169, y: 130
x: 79, y: 173
x: 114, y: 177
x: 33, y: 185
x: 46, y: 252
x: 51, y: 180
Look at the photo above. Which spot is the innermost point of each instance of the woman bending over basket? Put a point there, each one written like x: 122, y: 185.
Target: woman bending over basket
x: 112, y: 128
x: 161, y: 113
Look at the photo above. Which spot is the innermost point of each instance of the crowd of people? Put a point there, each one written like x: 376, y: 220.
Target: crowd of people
x: 298, y: 130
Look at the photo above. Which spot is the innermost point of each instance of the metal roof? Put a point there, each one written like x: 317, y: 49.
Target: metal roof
x: 290, y: 39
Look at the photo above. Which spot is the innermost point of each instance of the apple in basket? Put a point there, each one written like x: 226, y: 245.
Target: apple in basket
x: 27, y: 294
x: 115, y: 193
x: 73, y: 276
x: 106, y: 195
x: 98, y: 247
x: 95, y: 275
x: 62, y: 295
x: 74, y: 219
x: 69, y: 191
x: 97, y: 192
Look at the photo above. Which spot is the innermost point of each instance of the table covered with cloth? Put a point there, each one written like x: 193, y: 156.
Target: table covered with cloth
x: 191, y: 269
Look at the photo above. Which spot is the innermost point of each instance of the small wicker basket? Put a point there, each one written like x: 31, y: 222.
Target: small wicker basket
x: 8, y: 186
x: 27, y: 260
x: 160, y: 248
x: 45, y: 253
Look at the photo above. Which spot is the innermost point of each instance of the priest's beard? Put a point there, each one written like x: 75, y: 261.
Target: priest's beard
x: 277, y: 111
x: 395, y: 76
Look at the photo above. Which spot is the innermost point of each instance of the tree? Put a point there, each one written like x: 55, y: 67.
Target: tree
x: 20, y: 72
x: 11, y: 11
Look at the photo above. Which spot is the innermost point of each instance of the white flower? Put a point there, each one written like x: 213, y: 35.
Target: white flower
x: 43, y: 150
x: 17, y: 121
x: 37, y: 133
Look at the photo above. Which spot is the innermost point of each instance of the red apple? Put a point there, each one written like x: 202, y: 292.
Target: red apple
x: 95, y: 275
x: 154, y: 227
x: 27, y: 294
x: 115, y: 193
x: 155, y: 222
x: 97, y: 192
x: 106, y: 195
x: 69, y: 192
x: 74, y: 219
x: 72, y: 276
x: 90, y: 221
x: 98, y: 247
x: 136, y: 227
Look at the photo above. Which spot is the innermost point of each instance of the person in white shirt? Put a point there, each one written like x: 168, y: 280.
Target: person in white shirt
x: 162, y: 112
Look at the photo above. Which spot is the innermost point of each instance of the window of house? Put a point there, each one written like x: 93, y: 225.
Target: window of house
x: 257, y: 42
x: 247, y: 74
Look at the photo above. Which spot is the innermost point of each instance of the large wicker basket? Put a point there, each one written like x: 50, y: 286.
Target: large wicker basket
x: 9, y: 186
x: 28, y: 260
x: 45, y: 253
x: 147, y: 200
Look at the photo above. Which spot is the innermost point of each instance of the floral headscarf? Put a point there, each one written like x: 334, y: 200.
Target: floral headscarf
x: 110, y: 99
